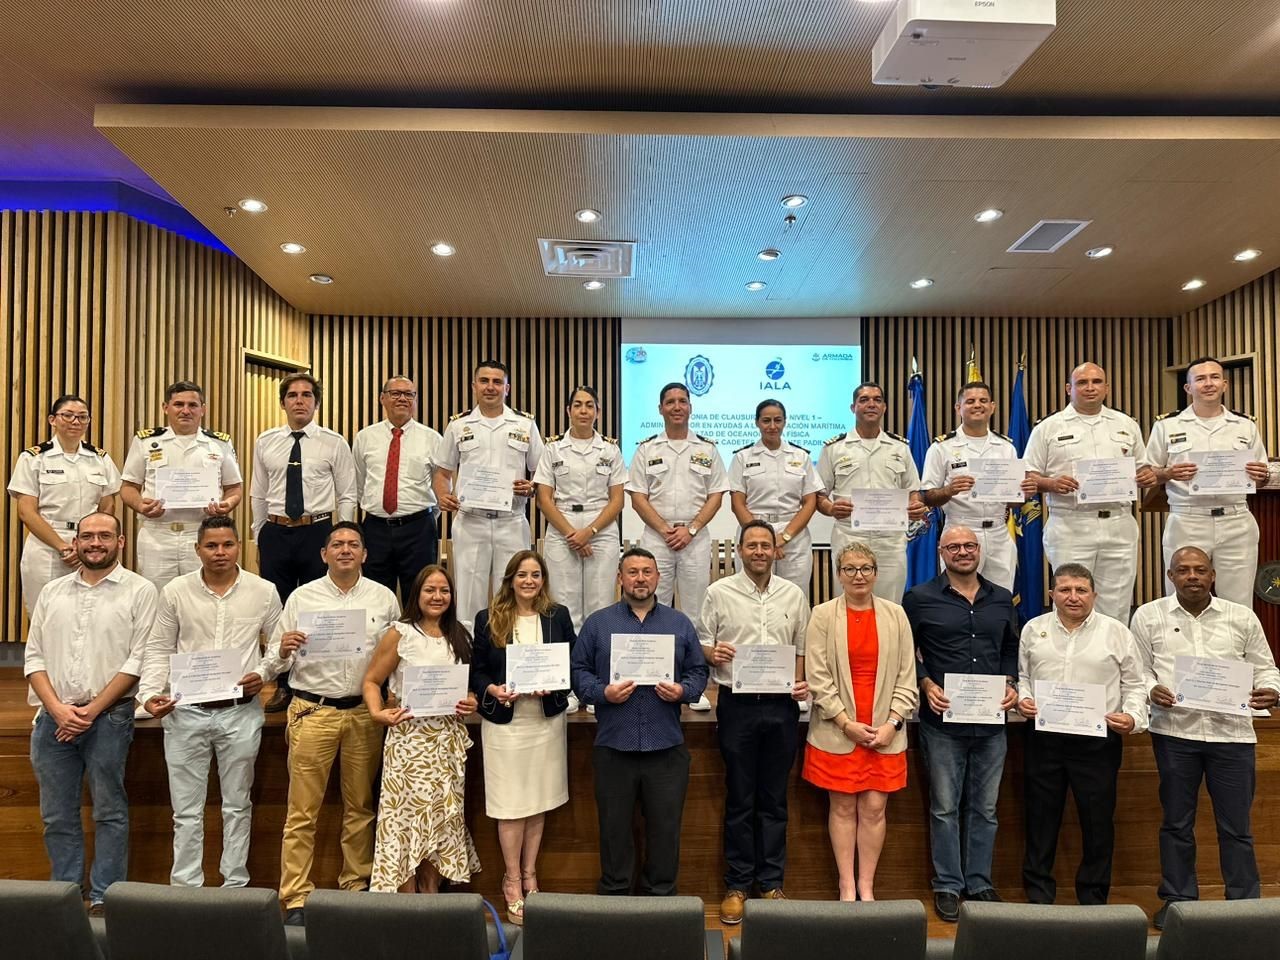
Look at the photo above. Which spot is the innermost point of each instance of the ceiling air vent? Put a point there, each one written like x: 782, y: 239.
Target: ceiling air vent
x: 1048, y: 235
x: 601, y: 259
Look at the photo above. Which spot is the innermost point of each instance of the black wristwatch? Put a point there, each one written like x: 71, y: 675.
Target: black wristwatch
x: 897, y: 722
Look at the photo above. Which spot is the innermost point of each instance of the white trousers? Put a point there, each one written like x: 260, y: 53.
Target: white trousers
x: 482, y: 547
x: 1108, y: 546
x: 583, y: 584
x: 891, y: 560
x: 41, y: 563
x: 685, y: 574
x: 796, y: 564
x: 1231, y: 542
x: 192, y: 736
x: 164, y: 553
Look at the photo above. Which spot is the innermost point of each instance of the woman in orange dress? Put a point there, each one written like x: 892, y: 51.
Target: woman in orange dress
x: 860, y: 664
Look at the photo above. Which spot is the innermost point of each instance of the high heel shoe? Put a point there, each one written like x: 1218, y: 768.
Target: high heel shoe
x: 529, y: 882
x: 515, y: 908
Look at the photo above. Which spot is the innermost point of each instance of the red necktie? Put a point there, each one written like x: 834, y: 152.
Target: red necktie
x: 391, y: 482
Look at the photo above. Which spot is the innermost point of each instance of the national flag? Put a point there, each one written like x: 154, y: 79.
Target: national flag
x: 922, y: 540
x: 1026, y: 523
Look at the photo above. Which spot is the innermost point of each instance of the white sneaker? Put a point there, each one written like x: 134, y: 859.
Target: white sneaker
x: 573, y: 704
x: 702, y: 705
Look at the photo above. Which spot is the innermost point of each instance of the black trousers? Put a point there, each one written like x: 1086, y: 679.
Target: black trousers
x: 758, y: 737
x: 1227, y: 769
x: 658, y: 779
x: 1089, y: 766
x: 399, y: 549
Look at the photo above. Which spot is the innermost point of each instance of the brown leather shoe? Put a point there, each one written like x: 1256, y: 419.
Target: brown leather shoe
x: 279, y: 700
x: 731, y: 906
x: 774, y: 894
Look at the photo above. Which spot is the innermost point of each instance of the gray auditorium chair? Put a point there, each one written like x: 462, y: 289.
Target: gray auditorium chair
x: 1112, y: 932
x: 818, y: 929
x: 560, y: 925
x: 45, y: 919
x: 1220, y: 930
x: 144, y: 919
x: 393, y: 926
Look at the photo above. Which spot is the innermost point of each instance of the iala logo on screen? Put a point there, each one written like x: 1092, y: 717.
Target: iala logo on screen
x: 774, y: 371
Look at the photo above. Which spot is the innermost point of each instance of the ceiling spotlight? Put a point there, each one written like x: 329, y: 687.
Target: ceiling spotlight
x: 1097, y: 253
x: 1244, y: 256
x: 321, y: 278
x: 755, y: 285
x: 921, y: 283
x: 1195, y: 284
x: 988, y: 215
x: 794, y: 200
x: 442, y: 250
x: 250, y: 205
x: 292, y: 247
x: 768, y: 254
x: 587, y: 215
x: 593, y: 285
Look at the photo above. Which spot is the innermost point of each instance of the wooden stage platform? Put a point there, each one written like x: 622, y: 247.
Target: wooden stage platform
x: 569, y: 860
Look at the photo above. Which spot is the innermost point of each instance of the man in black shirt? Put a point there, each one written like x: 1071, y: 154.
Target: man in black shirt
x: 962, y: 623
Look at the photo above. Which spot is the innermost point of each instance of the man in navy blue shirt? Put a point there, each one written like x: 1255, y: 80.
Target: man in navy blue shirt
x: 962, y: 623
x: 639, y: 749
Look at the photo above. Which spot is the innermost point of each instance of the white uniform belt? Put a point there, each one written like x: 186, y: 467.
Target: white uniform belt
x: 581, y: 507
x: 170, y: 525
x: 61, y: 525
x: 492, y: 514
x: 1224, y: 510
x: 1104, y: 512
x: 774, y: 518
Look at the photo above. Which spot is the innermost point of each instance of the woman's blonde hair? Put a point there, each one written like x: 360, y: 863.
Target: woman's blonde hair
x: 857, y: 548
x: 502, y: 611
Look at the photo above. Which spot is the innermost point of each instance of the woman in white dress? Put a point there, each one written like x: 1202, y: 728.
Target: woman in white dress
x: 526, y: 768
x: 422, y: 829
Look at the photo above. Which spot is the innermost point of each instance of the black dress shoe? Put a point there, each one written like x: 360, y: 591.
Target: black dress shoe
x: 1158, y: 920
x: 295, y: 917
x: 279, y: 700
x: 946, y: 905
x: 988, y: 895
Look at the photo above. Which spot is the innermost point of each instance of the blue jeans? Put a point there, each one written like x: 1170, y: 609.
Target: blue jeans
x: 60, y: 770
x: 965, y: 767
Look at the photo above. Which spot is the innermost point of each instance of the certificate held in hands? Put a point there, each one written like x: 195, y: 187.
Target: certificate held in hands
x: 332, y: 634
x: 433, y: 691
x: 1107, y: 480
x: 205, y: 675
x: 183, y: 489
x: 975, y: 697
x: 1219, y: 686
x: 1220, y: 472
x: 879, y: 511
x: 1075, y: 708
x: 764, y: 668
x: 647, y: 659
x: 533, y: 667
x: 485, y: 488
x: 996, y: 480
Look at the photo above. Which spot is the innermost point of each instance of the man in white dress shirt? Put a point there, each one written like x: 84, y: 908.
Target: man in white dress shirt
x: 1218, y: 523
x: 401, y: 520
x: 1197, y: 746
x: 1075, y: 644
x: 327, y: 716
x: 491, y: 435
x: 83, y: 658
x: 167, y: 535
x: 758, y: 732
x: 1102, y: 537
x: 218, y: 608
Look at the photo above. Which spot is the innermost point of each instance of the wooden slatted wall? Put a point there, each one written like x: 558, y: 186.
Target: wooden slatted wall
x: 1134, y: 351
x: 114, y: 309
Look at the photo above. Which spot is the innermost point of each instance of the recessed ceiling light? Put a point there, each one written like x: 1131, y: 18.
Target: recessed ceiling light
x: 1097, y: 253
x: 921, y: 283
x: 755, y: 285
x: 250, y: 205
x: 593, y: 284
x: 1244, y: 256
x: 442, y: 250
x: 1195, y: 284
x: 292, y: 247
x: 988, y: 215
x: 794, y: 200
x: 769, y: 254
x: 587, y: 215
x: 321, y: 278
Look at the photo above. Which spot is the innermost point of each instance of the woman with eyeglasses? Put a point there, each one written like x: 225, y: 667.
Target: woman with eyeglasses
x: 775, y: 481
x: 860, y: 664
x: 56, y: 483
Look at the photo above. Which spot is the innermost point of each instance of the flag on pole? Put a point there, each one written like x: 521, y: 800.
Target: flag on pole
x: 1026, y: 523
x: 971, y: 372
x: 922, y: 540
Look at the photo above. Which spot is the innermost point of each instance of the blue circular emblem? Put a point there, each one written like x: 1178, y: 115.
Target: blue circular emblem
x: 774, y: 369
x: 637, y: 355
x: 699, y: 375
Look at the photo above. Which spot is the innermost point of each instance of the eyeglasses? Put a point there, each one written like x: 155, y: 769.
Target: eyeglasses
x: 955, y: 549
x: 74, y: 417
x: 402, y: 394
x: 863, y: 571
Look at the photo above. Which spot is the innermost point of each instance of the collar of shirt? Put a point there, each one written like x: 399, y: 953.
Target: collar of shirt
x: 387, y: 426
x: 743, y: 584
x: 947, y: 590
x: 568, y: 440
x: 1083, y: 625
x: 1189, y: 415
x: 115, y: 576
x: 230, y: 590
x: 1071, y: 413
x: 1176, y: 609
x: 475, y: 416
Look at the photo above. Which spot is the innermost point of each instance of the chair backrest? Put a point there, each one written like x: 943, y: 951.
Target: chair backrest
x: 1220, y: 930
x: 1111, y: 932
x: 44, y: 919
x: 243, y: 922
x: 395, y: 926
x: 560, y: 925
x: 788, y: 929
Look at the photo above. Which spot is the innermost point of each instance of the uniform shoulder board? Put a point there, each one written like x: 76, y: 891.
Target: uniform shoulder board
x: 1245, y: 416
x: 224, y: 437
x: 836, y: 439
x: 146, y: 432
x: 89, y: 446
x: 705, y: 439
x: 460, y: 413
x: 747, y: 447
x: 613, y: 440
x: 526, y: 414
x: 647, y: 439
x: 798, y: 447
x: 1042, y: 420
x: 558, y: 436
x: 1166, y: 416
x: 39, y: 448
x: 1002, y: 436
x: 895, y: 436
x: 944, y: 436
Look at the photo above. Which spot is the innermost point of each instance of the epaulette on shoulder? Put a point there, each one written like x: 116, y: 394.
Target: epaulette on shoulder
x: 1004, y: 437
x: 647, y: 439
x: 1246, y: 416
x: 944, y: 436
x: 836, y: 439
x: 704, y: 439
x: 747, y: 447
x: 798, y: 447
x: 89, y: 446
x: 1166, y: 416
x: 217, y: 435
x: 526, y: 414
x: 1041, y: 420
x: 558, y: 436
x: 460, y: 413
x: 36, y: 449
x: 895, y: 436
x: 613, y: 440
x: 146, y: 432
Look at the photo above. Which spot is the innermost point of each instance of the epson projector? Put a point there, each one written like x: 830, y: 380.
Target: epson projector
x: 960, y: 43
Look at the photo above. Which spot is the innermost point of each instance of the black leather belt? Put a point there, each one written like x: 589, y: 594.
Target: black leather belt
x: 988, y: 524
x: 338, y: 703
x: 1104, y: 514
x: 223, y: 704
x: 399, y: 521
x: 725, y: 688
x: 1218, y: 512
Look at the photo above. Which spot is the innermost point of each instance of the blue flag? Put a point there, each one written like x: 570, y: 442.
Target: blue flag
x: 1027, y: 522
x: 922, y: 545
